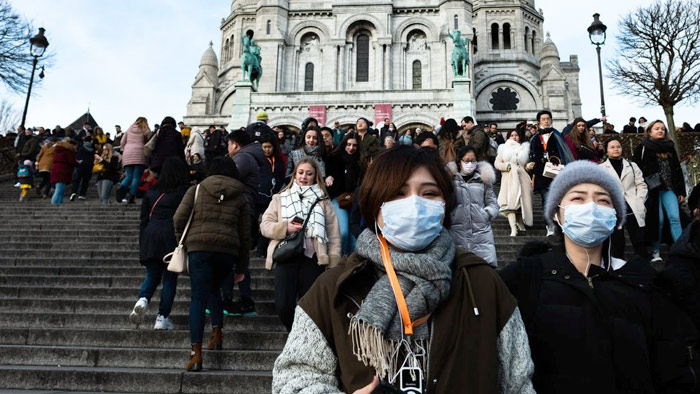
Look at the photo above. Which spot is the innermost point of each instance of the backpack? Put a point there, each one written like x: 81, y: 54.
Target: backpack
x: 23, y: 172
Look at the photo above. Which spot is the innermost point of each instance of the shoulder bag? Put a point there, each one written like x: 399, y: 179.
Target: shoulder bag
x: 150, y: 146
x: 293, y: 245
x: 177, y: 260
x: 653, y: 181
x: 551, y: 170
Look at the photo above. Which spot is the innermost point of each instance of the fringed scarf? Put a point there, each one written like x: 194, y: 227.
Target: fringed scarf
x: 296, y: 202
x: 425, y: 280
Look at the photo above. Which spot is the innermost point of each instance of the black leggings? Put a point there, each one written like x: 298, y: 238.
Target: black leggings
x: 639, y: 244
x: 292, y: 281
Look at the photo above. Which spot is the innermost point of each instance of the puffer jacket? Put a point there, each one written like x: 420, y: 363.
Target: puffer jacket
x: 45, y: 158
x: 132, y: 146
x: 221, y: 221
x: 63, y: 163
x: 169, y: 144
x: 195, y: 144
x: 476, y: 206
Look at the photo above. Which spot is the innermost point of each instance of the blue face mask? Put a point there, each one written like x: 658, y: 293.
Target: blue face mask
x: 588, y: 224
x: 412, y: 223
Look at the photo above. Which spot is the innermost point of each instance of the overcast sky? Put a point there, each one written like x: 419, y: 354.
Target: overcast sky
x: 130, y: 58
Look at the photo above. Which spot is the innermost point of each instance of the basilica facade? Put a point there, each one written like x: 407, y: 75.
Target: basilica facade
x: 341, y: 59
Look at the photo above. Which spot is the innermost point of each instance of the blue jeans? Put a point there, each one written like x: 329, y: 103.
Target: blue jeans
x: 347, y: 239
x: 668, y: 201
x: 155, y: 272
x: 207, y: 272
x: 59, y: 191
x: 132, y: 177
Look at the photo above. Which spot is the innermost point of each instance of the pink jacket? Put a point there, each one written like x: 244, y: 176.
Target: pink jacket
x: 132, y: 146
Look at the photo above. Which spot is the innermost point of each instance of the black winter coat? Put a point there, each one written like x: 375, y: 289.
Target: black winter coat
x: 249, y: 161
x: 271, y: 179
x: 346, y: 173
x: 169, y: 144
x: 609, y: 333
x: 112, y: 170
x: 157, y: 233
x: 86, y: 154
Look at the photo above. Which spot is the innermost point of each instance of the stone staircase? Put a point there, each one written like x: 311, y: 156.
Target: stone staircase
x: 69, y: 276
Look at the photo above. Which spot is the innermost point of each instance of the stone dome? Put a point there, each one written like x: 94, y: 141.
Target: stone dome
x: 209, y: 57
x: 549, y: 51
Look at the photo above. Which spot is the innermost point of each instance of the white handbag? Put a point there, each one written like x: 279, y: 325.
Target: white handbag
x: 551, y: 170
x: 178, y: 261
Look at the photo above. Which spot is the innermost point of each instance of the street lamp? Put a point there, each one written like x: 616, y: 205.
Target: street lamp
x: 37, y: 47
x: 596, y: 32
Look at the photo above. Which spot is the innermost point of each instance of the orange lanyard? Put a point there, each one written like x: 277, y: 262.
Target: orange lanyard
x: 272, y: 163
x: 398, y: 294
x: 544, y: 143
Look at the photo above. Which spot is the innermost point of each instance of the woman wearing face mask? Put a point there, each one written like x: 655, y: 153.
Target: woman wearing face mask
x: 352, y: 318
x: 313, y: 147
x: 595, y: 323
x: 515, y: 196
x: 476, y: 206
x: 657, y: 158
x: 305, y: 196
x: 342, y: 180
x: 635, y: 189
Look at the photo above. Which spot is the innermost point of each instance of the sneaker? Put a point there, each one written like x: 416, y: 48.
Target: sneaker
x: 136, y: 315
x: 73, y: 196
x: 18, y: 184
x: 243, y: 307
x: 656, y: 257
x: 163, y: 323
x: 21, y: 198
x: 550, y: 231
x: 82, y: 198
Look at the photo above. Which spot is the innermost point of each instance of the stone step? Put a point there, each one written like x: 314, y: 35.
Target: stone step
x: 96, y: 271
x: 144, y: 337
x: 65, y: 305
x: 83, y: 281
x: 106, y: 357
x: 31, y: 319
x: 41, y: 245
x: 45, y: 259
x: 112, y: 293
x: 134, y: 380
x: 38, y: 234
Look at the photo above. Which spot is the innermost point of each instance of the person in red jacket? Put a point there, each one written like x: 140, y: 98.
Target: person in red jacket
x: 62, y: 169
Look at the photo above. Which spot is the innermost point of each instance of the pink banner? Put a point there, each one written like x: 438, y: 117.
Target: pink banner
x: 318, y: 112
x: 381, y: 112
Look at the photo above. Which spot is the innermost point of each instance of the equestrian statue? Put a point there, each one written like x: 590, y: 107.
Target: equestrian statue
x: 460, y: 56
x: 251, y: 60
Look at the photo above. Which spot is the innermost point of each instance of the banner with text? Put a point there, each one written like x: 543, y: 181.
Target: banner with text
x: 319, y: 113
x: 381, y: 112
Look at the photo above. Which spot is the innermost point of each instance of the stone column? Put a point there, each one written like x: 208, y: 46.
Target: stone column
x: 387, y: 67
x: 241, y: 105
x: 462, y: 98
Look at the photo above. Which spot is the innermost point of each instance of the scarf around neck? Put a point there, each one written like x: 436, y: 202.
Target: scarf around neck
x: 297, y: 200
x: 658, y: 146
x: 425, y: 280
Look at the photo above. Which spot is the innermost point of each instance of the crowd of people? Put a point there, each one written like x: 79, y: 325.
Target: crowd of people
x: 381, y: 244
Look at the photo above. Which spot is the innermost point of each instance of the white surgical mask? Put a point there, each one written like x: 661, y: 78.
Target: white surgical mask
x: 412, y: 223
x: 588, y: 224
x: 469, y: 167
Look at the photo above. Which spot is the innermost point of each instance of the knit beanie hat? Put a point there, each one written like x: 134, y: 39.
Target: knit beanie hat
x: 584, y: 171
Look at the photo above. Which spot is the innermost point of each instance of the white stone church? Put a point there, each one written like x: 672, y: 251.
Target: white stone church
x: 341, y: 59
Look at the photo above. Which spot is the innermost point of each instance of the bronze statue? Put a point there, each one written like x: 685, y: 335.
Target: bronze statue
x: 251, y: 60
x: 460, y: 56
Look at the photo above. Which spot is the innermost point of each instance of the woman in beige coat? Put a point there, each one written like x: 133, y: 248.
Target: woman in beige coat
x: 284, y: 217
x: 515, y: 197
x: 635, y: 189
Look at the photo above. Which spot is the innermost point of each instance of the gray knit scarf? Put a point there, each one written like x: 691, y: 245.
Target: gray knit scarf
x: 425, y: 280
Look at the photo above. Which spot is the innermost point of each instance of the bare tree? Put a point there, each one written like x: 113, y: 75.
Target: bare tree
x: 9, y: 117
x: 658, y: 61
x: 15, y: 59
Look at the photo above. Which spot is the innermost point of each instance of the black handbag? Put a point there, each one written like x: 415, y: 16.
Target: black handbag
x: 653, y: 181
x: 293, y: 245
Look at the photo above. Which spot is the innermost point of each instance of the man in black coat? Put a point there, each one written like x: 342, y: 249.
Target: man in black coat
x: 630, y: 128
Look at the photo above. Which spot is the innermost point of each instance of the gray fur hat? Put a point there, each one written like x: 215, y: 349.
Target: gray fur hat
x: 584, y: 171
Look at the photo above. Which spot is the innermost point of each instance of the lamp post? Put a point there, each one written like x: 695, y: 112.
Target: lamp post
x: 596, y: 33
x: 37, y: 47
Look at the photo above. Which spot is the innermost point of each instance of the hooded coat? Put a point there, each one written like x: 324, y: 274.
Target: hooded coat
x: 249, y: 161
x: 475, y: 207
x: 45, y: 157
x: 169, y: 144
x: 195, y: 144
x: 221, y: 221
x: 132, y: 146
x: 156, y: 228
x: 516, y: 188
x: 63, y: 163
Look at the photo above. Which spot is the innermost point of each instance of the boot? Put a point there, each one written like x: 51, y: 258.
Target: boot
x: 195, y: 363
x: 216, y: 342
x: 120, y: 193
x: 513, y: 224
x: 521, y: 224
x: 131, y: 199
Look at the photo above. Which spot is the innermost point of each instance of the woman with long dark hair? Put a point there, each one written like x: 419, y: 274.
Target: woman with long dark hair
x: 342, y: 179
x: 157, y: 238
x: 583, y: 146
x: 656, y: 157
x: 312, y: 146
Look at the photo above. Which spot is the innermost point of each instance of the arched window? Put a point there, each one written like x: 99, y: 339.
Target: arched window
x: 362, y: 69
x: 527, y: 30
x: 227, y: 50
x: 309, y: 77
x: 456, y: 22
x: 494, y: 36
x: 506, y: 36
x: 474, y: 41
x: 269, y: 27
x: 532, y: 47
x: 417, y: 75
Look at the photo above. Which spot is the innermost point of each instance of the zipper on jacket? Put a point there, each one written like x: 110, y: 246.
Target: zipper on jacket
x: 690, y: 365
x: 590, y: 282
